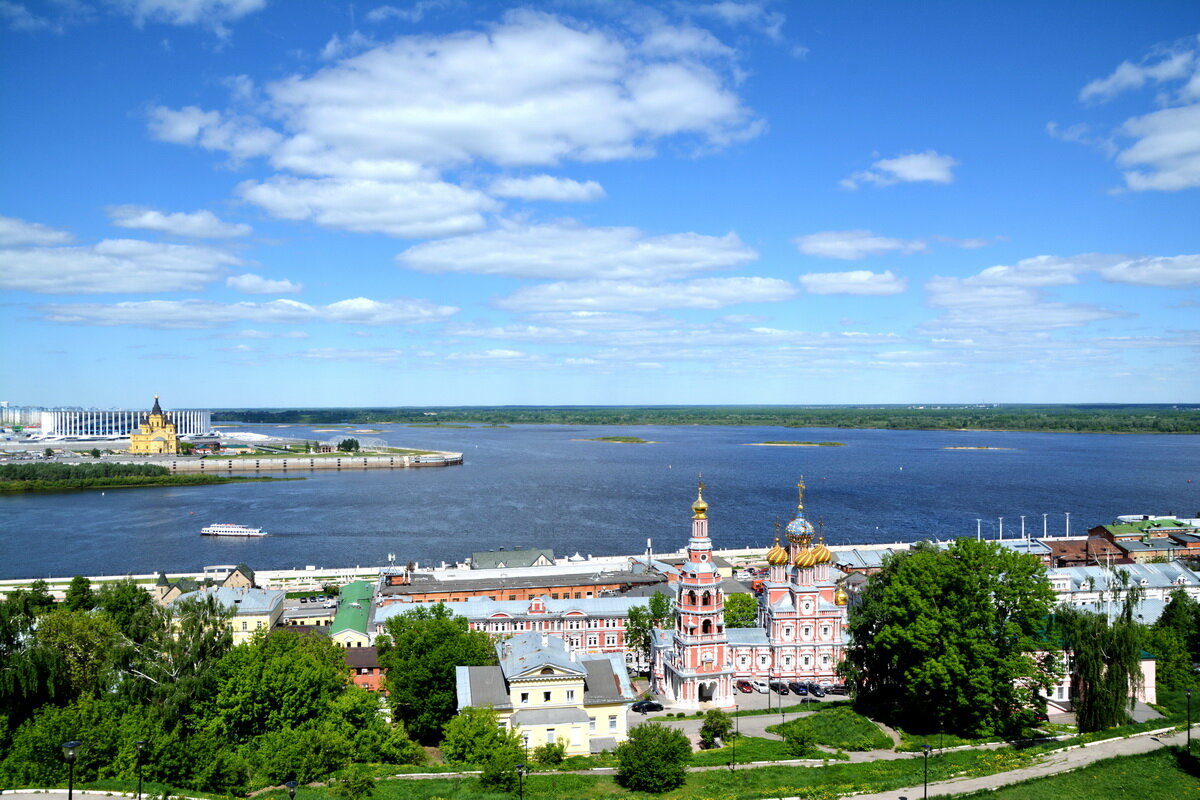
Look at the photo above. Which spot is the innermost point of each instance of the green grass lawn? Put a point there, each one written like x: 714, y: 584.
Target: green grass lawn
x: 841, y: 728
x: 1158, y: 775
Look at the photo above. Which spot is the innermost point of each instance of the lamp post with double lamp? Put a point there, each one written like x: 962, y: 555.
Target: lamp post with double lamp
x: 291, y: 787
x: 70, y: 751
x: 925, y: 750
x: 141, y: 748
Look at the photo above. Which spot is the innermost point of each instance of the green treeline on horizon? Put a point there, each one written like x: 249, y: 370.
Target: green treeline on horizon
x: 1048, y: 418
x: 51, y: 476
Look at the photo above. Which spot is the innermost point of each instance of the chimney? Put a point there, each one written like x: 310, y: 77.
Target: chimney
x: 545, y: 639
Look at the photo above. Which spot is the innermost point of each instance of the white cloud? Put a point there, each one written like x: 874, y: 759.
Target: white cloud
x: 1156, y: 271
x: 547, y: 187
x: 212, y: 14
x: 211, y: 314
x: 861, y: 282
x: 409, y: 210
x: 497, y: 354
x: 113, y: 265
x: 568, y: 250
x: 415, y: 12
x: 1170, y: 65
x: 1166, y: 155
x: 1002, y: 308
x: 929, y: 167
x: 257, y: 284
x: 533, y: 89
x: 251, y: 333
x: 1042, y: 271
x: 853, y: 245
x: 752, y: 15
x: 241, y: 137
x: 633, y: 296
x: 197, y: 224
x: 337, y: 47
x: 17, y: 232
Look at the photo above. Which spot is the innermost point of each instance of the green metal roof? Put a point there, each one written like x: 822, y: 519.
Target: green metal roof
x: 354, y: 607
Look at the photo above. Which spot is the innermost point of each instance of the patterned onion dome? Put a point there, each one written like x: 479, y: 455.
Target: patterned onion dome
x: 799, y: 527
x: 777, y: 556
x: 841, y: 597
x: 822, y: 553
x: 805, y: 558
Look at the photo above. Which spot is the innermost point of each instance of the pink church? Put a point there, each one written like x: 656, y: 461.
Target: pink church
x: 802, y: 620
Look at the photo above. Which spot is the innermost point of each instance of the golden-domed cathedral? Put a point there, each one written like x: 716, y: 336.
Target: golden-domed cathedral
x: 156, y: 436
x: 801, y: 616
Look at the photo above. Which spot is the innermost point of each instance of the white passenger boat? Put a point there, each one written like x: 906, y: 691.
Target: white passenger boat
x: 227, y: 529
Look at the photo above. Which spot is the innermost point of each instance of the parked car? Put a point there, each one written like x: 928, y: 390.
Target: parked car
x: 815, y: 690
x: 779, y: 686
x: 837, y: 688
x: 798, y: 688
x: 1041, y: 716
x: 744, y: 687
x: 642, y: 706
x: 303, y: 599
x: 760, y: 686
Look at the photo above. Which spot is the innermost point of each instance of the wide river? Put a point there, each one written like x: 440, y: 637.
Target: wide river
x: 547, y: 486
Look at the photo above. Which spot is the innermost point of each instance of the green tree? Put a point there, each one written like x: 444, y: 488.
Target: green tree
x: 48, y: 452
x: 129, y: 606
x: 950, y: 636
x: 355, y: 783
x: 276, y: 680
x: 95, y: 452
x: 1173, y: 664
x: 1105, y: 662
x: 741, y: 611
x: 348, y: 445
x: 80, y: 596
x: 419, y: 654
x: 472, y: 735
x: 717, y: 725
x: 653, y: 759
x: 1182, y: 615
x: 32, y: 673
x: 643, y: 620
x: 87, y: 643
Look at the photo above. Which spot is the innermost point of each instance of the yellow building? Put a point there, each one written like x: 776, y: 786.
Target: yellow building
x: 156, y: 436
x: 253, y: 609
x: 549, y: 694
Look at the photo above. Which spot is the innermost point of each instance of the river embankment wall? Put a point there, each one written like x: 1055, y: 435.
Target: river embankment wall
x: 298, y: 463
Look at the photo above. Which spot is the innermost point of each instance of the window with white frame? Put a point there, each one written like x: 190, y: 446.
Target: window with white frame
x: 612, y: 722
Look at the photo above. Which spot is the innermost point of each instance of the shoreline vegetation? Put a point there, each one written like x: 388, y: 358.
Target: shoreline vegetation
x: 1094, y: 418
x: 22, y: 478
x: 796, y: 444
x: 619, y: 440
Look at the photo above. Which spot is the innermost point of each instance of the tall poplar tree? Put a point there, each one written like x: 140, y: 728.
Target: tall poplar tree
x: 951, y: 638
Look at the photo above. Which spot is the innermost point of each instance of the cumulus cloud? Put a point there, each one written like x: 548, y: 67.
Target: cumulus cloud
x: 861, y: 282
x: 257, y: 284
x: 853, y: 245
x: 752, y: 15
x: 413, y: 209
x: 17, y: 232
x: 547, y: 187
x: 568, y: 250
x: 1160, y: 150
x: 534, y: 89
x: 113, y: 265
x: 211, y: 314
x: 635, y: 296
x: 197, y: 224
x: 927, y: 167
x: 1166, y: 271
x: 1003, y: 308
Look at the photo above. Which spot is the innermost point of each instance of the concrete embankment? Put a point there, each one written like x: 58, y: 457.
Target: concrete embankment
x: 296, y: 463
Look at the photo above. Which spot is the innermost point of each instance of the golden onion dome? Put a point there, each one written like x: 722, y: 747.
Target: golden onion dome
x: 700, y: 508
x: 822, y: 553
x: 777, y: 556
x: 841, y: 597
x: 805, y: 558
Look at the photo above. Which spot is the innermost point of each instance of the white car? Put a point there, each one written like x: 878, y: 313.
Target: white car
x: 330, y: 604
x: 760, y: 686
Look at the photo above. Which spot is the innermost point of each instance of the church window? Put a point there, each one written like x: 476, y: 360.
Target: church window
x: 807, y: 661
x: 706, y: 599
x: 787, y: 633
x: 824, y: 659
x: 824, y: 631
x: 787, y: 662
x: 706, y: 627
x: 807, y: 632
x: 691, y: 597
x: 762, y: 660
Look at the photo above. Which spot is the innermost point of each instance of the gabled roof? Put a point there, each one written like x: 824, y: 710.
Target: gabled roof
x: 529, y: 652
x: 354, y: 608
x: 521, y: 557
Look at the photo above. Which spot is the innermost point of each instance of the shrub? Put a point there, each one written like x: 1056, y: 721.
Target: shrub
x: 551, y: 754
x: 717, y: 725
x: 653, y: 759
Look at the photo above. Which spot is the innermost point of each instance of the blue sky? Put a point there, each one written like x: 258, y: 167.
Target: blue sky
x: 268, y: 203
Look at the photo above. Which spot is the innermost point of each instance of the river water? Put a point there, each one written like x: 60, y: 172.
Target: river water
x: 547, y: 486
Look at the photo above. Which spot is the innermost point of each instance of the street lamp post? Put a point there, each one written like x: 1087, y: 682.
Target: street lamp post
x: 521, y: 771
x: 925, y: 750
x: 1189, y: 727
x: 141, y: 748
x: 291, y: 787
x: 736, y: 729
x: 70, y: 750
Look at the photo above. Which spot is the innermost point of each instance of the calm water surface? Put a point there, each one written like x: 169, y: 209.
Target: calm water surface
x: 545, y: 486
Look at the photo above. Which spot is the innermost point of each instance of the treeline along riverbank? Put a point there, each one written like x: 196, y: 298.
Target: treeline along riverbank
x: 54, y: 477
x: 1047, y: 418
